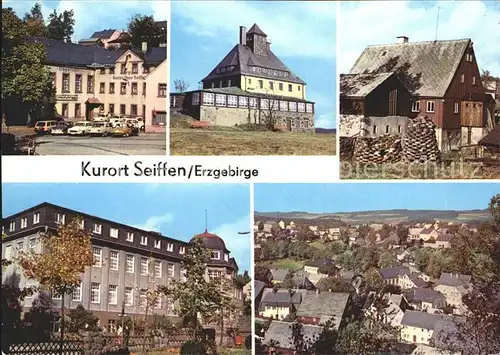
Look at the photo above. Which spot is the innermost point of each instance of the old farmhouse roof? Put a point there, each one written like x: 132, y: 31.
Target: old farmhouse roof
x: 323, y: 304
x: 242, y: 60
x: 360, y: 85
x: 492, y: 139
x: 429, y: 67
x: 103, y: 34
x: 276, y: 298
x: 281, y: 333
x: 258, y: 287
x: 72, y: 54
x: 419, y: 295
x: 423, y: 320
x: 392, y: 272
x: 454, y: 280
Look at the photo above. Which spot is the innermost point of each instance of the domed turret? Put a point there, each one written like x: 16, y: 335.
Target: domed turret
x: 211, y: 241
x: 219, y: 252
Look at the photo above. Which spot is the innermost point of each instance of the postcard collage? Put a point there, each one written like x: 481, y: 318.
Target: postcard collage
x: 250, y: 177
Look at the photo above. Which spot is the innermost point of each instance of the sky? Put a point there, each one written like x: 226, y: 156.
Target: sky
x: 302, y: 35
x: 373, y: 22
x: 92, y: 15
x: 175, y: 210
x: 355, y: 197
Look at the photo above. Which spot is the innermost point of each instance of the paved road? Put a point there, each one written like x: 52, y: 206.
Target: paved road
x: 144, y: 144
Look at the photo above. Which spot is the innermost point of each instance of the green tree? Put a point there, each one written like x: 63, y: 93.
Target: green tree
x: 34, y: 21
x: 143, y: 29
x: 334, y: 284
x: 82, y: 320
x: 66, y: 254
x: 26, y: 82
x: 61, y: 26
x: 197, y: 295
x: 494, y: 209
x: 387, y: 259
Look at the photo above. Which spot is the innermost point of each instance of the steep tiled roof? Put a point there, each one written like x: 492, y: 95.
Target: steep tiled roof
x: 276, y: 298
x: 424, y: 295
x: 360, y: 85
x: 423, y: 320
x: 448, y: 279
x: 491, y: 139
x: 431, y: 64
x: 256, y: 29
x: 323, y: 304
x: 259, y: 287
x: 103, y: 34
x: 392, y: 272
x: 246, y: 62
x: 281, y: 332
x: 279, y: 274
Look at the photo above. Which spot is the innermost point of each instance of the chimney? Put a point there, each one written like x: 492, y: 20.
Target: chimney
x: 243, y: 35
x: 317, y: 291
x: 144, y: 47
x: 403, y: 39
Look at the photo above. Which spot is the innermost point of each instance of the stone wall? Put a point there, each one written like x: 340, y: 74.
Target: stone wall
x: 358, y: 125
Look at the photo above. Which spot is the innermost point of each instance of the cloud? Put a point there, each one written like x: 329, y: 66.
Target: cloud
x: 154, y: 223
x: 238, y: 244
x: 326, y: 120
x: 373, y: 22
x: 305, y: 29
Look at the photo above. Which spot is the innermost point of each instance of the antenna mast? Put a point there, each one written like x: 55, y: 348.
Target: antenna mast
x: 206, y: 221
x: 437, y: 24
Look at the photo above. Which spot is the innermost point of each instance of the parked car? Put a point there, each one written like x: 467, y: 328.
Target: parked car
x: 135, y: 122
x: 42, y: 127
x: 80, y: 128
x: 101, y: 129
x: 116, y: 121
x: 101, y: 117
x: 125, y: 131
x: 61, y: 128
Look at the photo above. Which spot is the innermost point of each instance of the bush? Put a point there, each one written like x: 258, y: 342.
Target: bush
x: 193, y: 347
x: 248, y: 342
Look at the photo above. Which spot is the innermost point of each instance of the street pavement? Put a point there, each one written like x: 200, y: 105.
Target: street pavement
x: 144, y: 144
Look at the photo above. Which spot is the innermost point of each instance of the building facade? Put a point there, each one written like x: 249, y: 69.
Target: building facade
x: 251, y: 85
x: 127, y: 262
x: 92, y: 80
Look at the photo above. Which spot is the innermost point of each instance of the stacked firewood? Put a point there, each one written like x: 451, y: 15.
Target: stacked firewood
x: 420, y: 142
x: 378, y: 150
x: 347, y: 145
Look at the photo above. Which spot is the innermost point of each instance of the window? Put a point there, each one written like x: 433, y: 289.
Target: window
x: 143, y: 300
x: 24, y: 222
x: 60, y: 219
x: 232, y: 101
x: 8, y: 252
x: 264, y: 104
x: 462, y: 78
x: 415, y: 106
x: 144, y: 240
x: 65, y: 82
x: 129, y: 263
x: 111, y: 88
x: 113, y: 260
x: 387, y: 129
x: 220, y: 100
x: 102, y: 71
x: 65, y: 110
x: 144, y: 110
x: 374, y: 129
x: 195, y: 99
x: 170, y: 247
x: 162, y: 90
x: 292, y: 106
x: 19, y: 247
x: 12, y: 226
x: 32, y: 245
x: 144, y: 266
x: 271, y: 85
x: 145, y: 69
x: 309, y: 108
x: 77, y: 293
x: 129, y: 296
x: 36, y: 218
x: 208, y: 98
x: 249, y: 80
x: 135, y: 69
x: 252, y: 102
x: 97, y: 252
x: 102, y: 88
x: 399, y: 128
x: 215, y: 276
x: 215, y: 254
x: 455, y: 107
x: 55, y: 295
x: 170, y: 270
x: 229, y: 82
x: 283, y: 105
x: 157, y: 244
x: 226, y: 257
x: 123, y: 88
x: 243, y: 101
x: 134, y: 88
x: 133, y: 109
x: 430, y: 106
x: 473, y: 80
x: 111, y: 70
x: 280, y: 86
x: 301, y: 107
x: 78, y: 83
x: 182, y: 250
x: 158, y: 301
x: 130, y: 237
x: 183, y: 275
x: 95, y: 292
x: 113, y: 232
x: 123, y: 69
x: 122, y: 109
x: 290, y: 87
x: 469, y: 135
x: 261, y: 84
x: 54, y: 79
x: 158, y: 269
x: 78, y: 110
x: 111, y: 108
x: 113, y: 294
x: 97, y: 228
x: 90, y: 84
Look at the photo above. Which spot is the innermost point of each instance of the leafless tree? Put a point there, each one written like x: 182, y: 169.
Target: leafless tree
x: 180, y: 85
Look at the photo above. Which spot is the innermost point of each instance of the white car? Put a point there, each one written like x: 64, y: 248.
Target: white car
x: 137, y: 123
x: 101, y: 129
x: 116, y: 122
x: 80, y: 128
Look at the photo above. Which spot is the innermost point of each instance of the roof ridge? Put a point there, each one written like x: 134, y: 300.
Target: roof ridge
x: 419, y: 42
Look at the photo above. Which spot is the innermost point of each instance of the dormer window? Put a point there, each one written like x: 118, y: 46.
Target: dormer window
x: 130, y: 237
x: 24, y: 222
x: 144, y: 240
x: 113, y: 232
x: 61, y: 218
x: 226, y: 257
x: 182, y: 250
x: 97, y: 228
x: 215, y: 254
x: 170, y: 247
x: 12, y: 226
x: 157, y: 244
x: 36, y: 218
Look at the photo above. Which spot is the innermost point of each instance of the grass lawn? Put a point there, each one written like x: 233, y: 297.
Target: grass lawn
x: 237, y: 141
x: 285, y: 264
x: 454, y: 170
